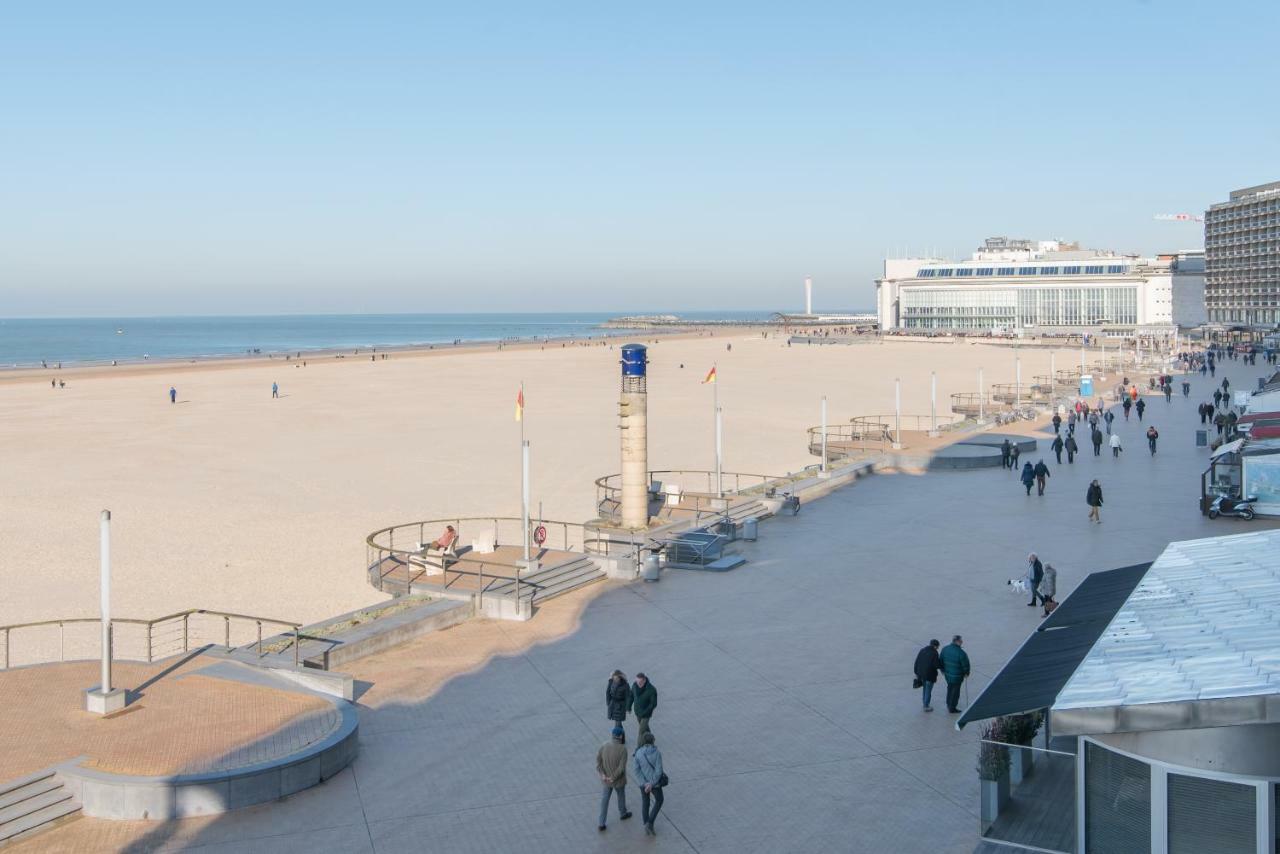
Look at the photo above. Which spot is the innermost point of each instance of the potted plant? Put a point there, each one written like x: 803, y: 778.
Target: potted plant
x: 993, y: 772
x: 1021, y: 730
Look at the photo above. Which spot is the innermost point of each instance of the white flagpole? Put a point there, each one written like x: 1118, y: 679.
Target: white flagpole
x: 715, y: 400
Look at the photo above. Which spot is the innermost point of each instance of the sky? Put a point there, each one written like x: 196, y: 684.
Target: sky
x: 315, y: 157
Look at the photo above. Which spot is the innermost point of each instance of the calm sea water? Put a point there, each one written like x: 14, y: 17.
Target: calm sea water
x: 28, y: 342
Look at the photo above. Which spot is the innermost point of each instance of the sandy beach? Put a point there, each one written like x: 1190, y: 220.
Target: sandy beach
x: 231, y: 500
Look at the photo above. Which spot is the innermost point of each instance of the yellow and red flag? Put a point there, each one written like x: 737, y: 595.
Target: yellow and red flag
x: 711, y: 377
x: 520, y: 404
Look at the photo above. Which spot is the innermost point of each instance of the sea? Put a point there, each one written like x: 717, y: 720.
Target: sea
x: 37, y: 342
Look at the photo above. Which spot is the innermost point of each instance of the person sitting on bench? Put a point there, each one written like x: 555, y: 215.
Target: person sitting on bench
x: 446, y: 541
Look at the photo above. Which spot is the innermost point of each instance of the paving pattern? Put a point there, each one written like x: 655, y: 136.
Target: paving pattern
x: 785, y: 712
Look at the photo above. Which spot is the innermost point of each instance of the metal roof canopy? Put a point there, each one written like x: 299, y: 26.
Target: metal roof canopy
x: 1196, y: 644
x: 1037, y: 672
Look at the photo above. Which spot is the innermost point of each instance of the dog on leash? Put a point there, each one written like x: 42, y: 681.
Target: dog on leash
x: 1017, y: 585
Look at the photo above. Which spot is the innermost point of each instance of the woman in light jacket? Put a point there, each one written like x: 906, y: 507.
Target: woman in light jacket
x: 648, y: 763
x: 1048, y: 587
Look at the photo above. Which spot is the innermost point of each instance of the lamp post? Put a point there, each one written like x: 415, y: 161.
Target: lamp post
x: 822, y: 472
x: 982, y: 401
x: 897, y: 413
x: 103, y: 699
x: 933, y: 403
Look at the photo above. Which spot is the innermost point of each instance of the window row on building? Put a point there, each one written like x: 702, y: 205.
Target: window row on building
x: 1068, y: 270
x: 938, y: 308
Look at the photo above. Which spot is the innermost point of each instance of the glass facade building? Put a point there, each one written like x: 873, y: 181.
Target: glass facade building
x: 1242, y: 257
x: 1082, y: 304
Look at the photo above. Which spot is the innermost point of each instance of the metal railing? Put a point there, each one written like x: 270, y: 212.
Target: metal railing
x: 696, y: 490
x: 79, y: 638
x: 872, y: 434
x: 1015, y: 394
x: 972, y: 404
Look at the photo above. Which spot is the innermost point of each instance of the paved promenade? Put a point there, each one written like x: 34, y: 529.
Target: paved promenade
x: 785, y: 717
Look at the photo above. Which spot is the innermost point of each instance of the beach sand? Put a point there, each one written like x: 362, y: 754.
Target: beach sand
x: 231, y: 500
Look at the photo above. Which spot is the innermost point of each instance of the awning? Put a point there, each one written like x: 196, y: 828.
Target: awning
x: 1229, y: 448
x: 1047, y: 659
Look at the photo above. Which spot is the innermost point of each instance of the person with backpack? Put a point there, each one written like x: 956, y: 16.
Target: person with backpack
x: 1152, y: 435
x: 1093, y: 497
x: 926, y: 671
x: 652, y: 779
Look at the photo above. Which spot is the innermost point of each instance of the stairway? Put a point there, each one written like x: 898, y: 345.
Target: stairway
x: 31, y: 804
x: 552, y: 581
x: 739, y: 512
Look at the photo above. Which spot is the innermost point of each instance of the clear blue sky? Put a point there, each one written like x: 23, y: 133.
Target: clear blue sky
x: 234, y: 157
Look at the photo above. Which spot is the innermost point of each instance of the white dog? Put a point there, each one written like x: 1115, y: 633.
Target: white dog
x: 1017, y: 585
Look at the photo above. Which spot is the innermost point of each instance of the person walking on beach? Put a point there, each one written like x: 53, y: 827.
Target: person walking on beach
x: 173, y: 394
x: 651, y: 779
x: 1093, y: 497
x: 1028, y: 476
x: 1115, y: 446
x: 1072, y: 447
x: 926, y: 671
x: 644, y: 699
x: 1141, y: 406
x: 617, y: 697
x: 1152, y: 435
x: 611, y: 765
x: 1048, y: 588
x: 955, y: 669
x: 1035, y: 574
x: 1006, y: 450
x: 275, y: 390
x: 1041, y: 472
x: 1057, y: 445
x: 1097, y: 442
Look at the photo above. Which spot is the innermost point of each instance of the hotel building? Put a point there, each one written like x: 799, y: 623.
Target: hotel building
x: 1046, y: 286
x: 1242, y: 257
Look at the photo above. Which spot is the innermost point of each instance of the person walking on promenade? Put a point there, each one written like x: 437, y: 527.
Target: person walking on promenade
x: 617, y: 697
x: 1093, y: 497
x: 926, y: 670
x: 1220, y: 421
x: 1127, y: 405
x: 1028, y: 476
x: 955, y: 669
x: 1035, y: 574
x: 651, y: 779
x: 1057, y: 422
x: 1006, y: 450
x: 1108, y: 418
x: 1186, y: 389
x: 611, y: 765
x: 1014, y: 453
x: 1226, y: 387
x: 1203, y: 415
x: 1072, y: 447
x: 1141, y: 406
x: 1115, y: 446
x: 1152, y: 435
x: 1217, y: 398
x: 275, y: 390
x: 1057, y: 445
x: 1042, y: 474
x: 1071, y: 420
x: 1232, y: 420
x: 1049, y: 588
x: 644, y: 699
x: 1097, y: 442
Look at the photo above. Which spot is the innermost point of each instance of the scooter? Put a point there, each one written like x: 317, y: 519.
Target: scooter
x: 1225, y: 505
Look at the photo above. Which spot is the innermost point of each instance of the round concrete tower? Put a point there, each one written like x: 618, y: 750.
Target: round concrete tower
x: 633, y: 412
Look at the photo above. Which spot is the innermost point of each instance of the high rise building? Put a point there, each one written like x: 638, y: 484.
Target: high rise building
x: 1242, y: 257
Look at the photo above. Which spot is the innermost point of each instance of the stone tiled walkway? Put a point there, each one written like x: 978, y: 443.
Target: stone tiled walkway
x: 785, y: 716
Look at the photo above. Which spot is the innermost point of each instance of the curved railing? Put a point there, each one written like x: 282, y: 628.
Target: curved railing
x: 872, y: 434
x: 1015, y: 394
x: 972, y: 404
x: 697, y: 489
x: 80, y: 638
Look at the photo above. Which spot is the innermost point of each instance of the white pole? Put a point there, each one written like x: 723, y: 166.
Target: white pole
x: 524, y: 494
x: 106, y: 601
x: 1017, y: 386
x: 982, y: 401
x: 715, y: 412
x: 933, y: 402
x: 897, y: 412
x: 1053, y: 381
x: 824, y: 434
x: 719, y: 452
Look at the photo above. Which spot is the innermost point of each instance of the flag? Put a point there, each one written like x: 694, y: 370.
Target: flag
x: 520, y: 404
x: 711, y: 377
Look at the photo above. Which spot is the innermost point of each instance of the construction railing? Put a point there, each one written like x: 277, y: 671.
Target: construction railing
x: 80, y: 638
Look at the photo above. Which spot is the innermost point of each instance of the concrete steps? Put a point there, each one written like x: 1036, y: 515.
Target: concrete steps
x: 33, y: 803
x: 553, y: 581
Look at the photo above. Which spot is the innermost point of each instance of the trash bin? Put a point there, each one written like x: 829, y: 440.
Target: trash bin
x: 652, y: 566
x: 750, y: 528
x: 1202, y: 438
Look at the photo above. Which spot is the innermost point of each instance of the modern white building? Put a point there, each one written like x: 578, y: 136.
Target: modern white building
x: 1045, y: 286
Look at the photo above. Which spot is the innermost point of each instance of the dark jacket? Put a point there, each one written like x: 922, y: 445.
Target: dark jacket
x: 1094, y: 496
x: 1037, y: 572
x: 644, y: 700
x: 955, y: 663
x: 1097, y: 438
x: 1041, y: 470
x: 617, y: 697
x: 1057, y: 443
x: 927, y: 665
x: 1072, y: 447
x: 1028, y: 473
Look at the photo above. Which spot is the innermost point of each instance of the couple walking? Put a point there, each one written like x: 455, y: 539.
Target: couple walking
x: 952, y: 662
x: 1042, y: 581
x: 611, y: 760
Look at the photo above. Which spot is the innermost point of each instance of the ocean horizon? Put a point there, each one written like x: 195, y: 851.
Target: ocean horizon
x: 39, y: 342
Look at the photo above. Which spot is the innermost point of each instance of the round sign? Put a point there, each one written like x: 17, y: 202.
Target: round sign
x: 540, y: 535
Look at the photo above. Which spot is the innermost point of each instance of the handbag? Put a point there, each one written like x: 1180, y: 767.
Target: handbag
x: 916, y: 683
x: 663, y: 779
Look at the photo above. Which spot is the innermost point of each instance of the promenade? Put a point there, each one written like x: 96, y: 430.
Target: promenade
x: 786, y: 717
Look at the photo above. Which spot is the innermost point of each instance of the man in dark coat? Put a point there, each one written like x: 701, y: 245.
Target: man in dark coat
x: 926, y: 669
x: 1006, y: 450
x: 1217, y: 398
x: 1072, y: 447
x: 1094, y: 499
x: 955, y: 669
x: 1035, y: 574
x: 1141, y: 406
x: 1097, y: 443
x: 1057, y: 447
x: 1126, y: 404
x: 1108, y: 418
x: 1042, y: 474
x: 1057, y: 422
x: 1013, y: 456
x: 1028, y: 476
x: 644, y: 699
x: 617, y: 697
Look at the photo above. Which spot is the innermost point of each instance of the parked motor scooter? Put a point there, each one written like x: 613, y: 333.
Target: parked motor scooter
x: 1225, y: 505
